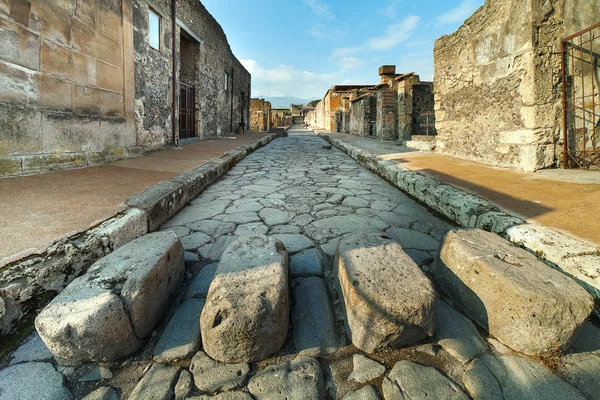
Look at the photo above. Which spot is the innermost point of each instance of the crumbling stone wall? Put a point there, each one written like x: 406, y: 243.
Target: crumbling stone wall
x: 422, y: 109
x: 497, y: 81
x: 387, y: 108
x: 222, y: 84
x: 66, y: 86
x: 260, y: 115
x: 361, y: 112
x: 280, y: 117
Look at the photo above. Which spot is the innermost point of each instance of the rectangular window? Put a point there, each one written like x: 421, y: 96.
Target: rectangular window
x: 154, y: 29
x: 226, y: 80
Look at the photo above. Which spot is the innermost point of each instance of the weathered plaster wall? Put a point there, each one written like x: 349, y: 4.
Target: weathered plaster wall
x: 66, y: 81
x: 497, y: 81
x: 220, y: 106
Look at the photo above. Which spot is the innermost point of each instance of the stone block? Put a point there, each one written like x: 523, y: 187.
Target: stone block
x: 109, y: 77
x: 300, y: 378
x: 194, y: 182
x: 160, y: 202
x: 519, y: 300
x: 181, y: 338
x: 51, y: 21
x: 67, y: 5
x: 158, y: 383
x: 246, y: 316
x: 123, y: 229
x: 211, y: 376
x: 66, y: 63
x: 18, y: 85
x: 53, y: 162
x: 93, y: 43
x: 55, y: 94
x: 19, y: 45
x: 108, y: 22
x: 388, y: 301
x: 102, y: 315
x: 89, y: 100
x: 67, y: 133
x: 86, y: 11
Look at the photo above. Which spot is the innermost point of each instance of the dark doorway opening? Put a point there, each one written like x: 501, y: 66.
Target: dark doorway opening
x: 188, y: 61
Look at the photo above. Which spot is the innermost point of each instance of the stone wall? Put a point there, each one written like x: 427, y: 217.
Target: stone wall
x: 260, y: 115
x: 66, y: 84
x: 222, y: 84
x: 361, y: 115
x: 387, y: 108
x: 498, y: 81
x: 280, y: 117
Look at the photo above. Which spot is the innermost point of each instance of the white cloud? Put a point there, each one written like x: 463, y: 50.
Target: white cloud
x: 320, y: 8
x: 394, y: 35
x: 460, y: 13
x: 288, y: 79
x: 324, y: 32
x: 389, y: 11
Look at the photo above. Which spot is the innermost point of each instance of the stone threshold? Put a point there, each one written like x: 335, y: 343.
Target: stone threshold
x: 573, y: 257
x: 29, y: 283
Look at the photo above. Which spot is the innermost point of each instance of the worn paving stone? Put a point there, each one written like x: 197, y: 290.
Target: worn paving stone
x: 294, y: 243
x: 214, y: 251
x: 306, y: 263
x: 212, y: 228
x: 410, y: 239
x: 274, y: 216
x: 262, y: 189
x: 457, y: 334
x: 409, y: 380
x: 365, y: 369
x: 181, y: 337
x: 587, y: 340
x: 299, y: 379
x: 190, y: 258
x: 103, y: 393
x: 514, y: 377
x: 519, y: 300
x: 384, y: 205
x: 192, y: 213
x: 97, y: 373
x: 420, y: 257
x: 158, y: 383
x: 211, y: 376
x: 313, y: 320
x: 198, y: 288
x: 388, y: 302
x: 333, y: 227
x: 254, y: 228
x: 242, y: 218
x: 34, y: 349
x: 366, y: 393
x: 355, y: 202
x: 246, y: 316
x: 183, y: 387
x: 582, y: 370
x: 195, y: 240
x: 285, y: 230
x: 180, y: 231
x: 33, y: 380
x: 244, y: 207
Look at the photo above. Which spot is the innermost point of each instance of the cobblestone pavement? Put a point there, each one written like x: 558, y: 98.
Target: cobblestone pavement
x: 307, y: 195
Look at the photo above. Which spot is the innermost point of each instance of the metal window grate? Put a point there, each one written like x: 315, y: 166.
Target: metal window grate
x: 581, y: 98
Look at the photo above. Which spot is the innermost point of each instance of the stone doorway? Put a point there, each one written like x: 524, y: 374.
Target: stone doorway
x: 189, y: 50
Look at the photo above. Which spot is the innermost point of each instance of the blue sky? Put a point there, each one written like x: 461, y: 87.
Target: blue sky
x: 300, y: 48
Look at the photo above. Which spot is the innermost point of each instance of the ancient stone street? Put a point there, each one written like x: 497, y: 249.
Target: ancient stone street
x: 295, y: 259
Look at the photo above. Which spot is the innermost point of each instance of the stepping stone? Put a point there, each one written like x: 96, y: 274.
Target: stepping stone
x: 246, y: 316
x: 97, y: 373
x: 366, y: 393
x: 158, y: 383
x: 306, y: 263
x: 211, y: 376
x: 294, y: 243
x: 34, y: 349
x: 365, y: 369
x: 409, y: 380
x: 457, y: 334
x: 519, y: 300
x: 199, y: 286
x: 34, y: 380
x: 388, y: 302
x: 181, y: 337
x: 313, y: 320
x: 330, y: 228
x: 274, y: 216
x: 102, y: 315
x: 298, y: 379
x: 513, y: 377
x: 103, y: 393
x: 410, y: 239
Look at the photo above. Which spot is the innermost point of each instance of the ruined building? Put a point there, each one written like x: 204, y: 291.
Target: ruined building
x: 260, y: 115
x: 398, y: 108
x: 89, y: 82
x: 498, y: 85
x: 280, y: 117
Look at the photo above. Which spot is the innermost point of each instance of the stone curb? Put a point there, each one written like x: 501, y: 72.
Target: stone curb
x: 26, y: 284
x: 576, y: 259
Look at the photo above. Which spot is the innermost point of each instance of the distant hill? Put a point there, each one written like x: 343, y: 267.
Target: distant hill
x: 282, y: 101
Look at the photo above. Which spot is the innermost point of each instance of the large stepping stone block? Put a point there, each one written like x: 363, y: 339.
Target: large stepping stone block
x: 246, y: 316
x: 388, y: 301
x: 519, y: 300
x: 104, y: 315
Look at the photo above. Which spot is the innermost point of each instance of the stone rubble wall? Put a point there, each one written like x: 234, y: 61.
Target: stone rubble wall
x: 498, y: 84
x: 260, y: 115
x: 574, y: 258
x: 27, y: 284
